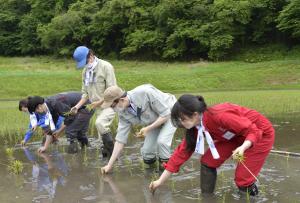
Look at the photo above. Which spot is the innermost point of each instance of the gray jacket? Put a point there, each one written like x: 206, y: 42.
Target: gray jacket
x: 149, y: 104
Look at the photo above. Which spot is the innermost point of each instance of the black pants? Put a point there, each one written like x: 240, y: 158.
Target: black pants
x: 79, y: 127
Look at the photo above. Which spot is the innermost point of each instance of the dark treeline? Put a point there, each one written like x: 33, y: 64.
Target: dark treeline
x: 152, y: 29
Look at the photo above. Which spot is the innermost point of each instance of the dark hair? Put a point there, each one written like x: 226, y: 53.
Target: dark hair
x: 23, y: 103
x: 33, y: 102
x: 187, y: 105
x: 91, y: 52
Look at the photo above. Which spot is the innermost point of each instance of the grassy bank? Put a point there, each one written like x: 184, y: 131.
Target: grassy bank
x: 20, y: 77
x: 271, y: 87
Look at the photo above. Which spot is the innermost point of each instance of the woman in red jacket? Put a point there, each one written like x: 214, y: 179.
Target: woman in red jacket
x: 229, y: 130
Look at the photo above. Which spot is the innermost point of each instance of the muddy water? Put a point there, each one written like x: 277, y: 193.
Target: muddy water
x: 57, y: 176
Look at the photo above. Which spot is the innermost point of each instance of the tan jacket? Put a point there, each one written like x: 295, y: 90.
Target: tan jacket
x: 104, y: 78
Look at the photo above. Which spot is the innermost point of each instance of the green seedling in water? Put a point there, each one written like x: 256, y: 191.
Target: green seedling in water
x: 16, y: 167
x: 248, y: 196
x: 263, y: 189
x: 142, y: 164
x: 173, y: 185
x: 9, y: 152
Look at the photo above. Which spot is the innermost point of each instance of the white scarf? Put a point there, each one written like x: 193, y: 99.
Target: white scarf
x: 49, y: 119
x: 89, y: 73
x: 200, y: 142
x: 33, y: 120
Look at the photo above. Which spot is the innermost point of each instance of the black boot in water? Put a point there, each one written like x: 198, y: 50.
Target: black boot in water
x: 84, y: 142
x: 208, y: 177
x: 73, y: 147
x: 108, y: 145
x: 252, y: 189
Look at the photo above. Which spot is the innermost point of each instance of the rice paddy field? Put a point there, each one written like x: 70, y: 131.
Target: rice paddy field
x: 272, y: 87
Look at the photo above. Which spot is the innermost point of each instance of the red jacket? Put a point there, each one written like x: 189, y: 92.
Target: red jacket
x: 222, y: 118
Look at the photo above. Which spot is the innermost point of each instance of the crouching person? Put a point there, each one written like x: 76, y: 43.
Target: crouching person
x: 230, y: 131
x: 76, y: 126
x: 147, y: 106
x: 36, y: 120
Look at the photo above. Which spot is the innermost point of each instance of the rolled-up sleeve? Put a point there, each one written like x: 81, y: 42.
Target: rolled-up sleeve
x: 123, y: 131
x: 179, y: 157
x: 242, y: 126
x: 158, y: 104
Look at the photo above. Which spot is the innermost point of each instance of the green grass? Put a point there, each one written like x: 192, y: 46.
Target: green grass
x: 271, y: 87
x: 20, y: 77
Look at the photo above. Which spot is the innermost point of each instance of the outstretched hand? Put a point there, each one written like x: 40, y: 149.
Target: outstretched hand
x: 106, y: 169
x: 154, y: 185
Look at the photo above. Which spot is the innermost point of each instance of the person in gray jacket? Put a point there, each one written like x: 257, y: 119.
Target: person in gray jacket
x: 147, y: 106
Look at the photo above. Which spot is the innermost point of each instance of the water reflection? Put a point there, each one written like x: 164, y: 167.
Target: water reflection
x: 60, y: 177
x: 52, y: 171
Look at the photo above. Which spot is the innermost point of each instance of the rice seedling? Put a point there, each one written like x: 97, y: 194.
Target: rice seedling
x: 247, y: 196
x: 263, y: 189
x: 142, y: 165
x: 9, y: 152
x: 240, y: 160
x: 173, y: 185
x: 15, y: 167
x: 89, y: 107
x: 85, y: 157
x: 239, y: 157
x: 224, y: 197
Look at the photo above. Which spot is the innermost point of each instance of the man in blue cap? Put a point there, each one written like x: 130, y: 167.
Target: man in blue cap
x: 97, y: 76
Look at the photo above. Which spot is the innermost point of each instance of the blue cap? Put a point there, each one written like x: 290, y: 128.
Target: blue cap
x: 80, y: 55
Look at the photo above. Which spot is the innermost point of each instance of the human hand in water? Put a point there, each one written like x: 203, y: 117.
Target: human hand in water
x: 23, y: 143
x: 106, y: 169
x: 154, y: 185
x: 42, y: 149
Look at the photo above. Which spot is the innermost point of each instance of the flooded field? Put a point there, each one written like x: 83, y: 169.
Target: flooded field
x: 57, y: 176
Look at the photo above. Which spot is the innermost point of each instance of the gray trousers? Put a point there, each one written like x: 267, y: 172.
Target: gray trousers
x: 158, y: 142
x: 79, y: 127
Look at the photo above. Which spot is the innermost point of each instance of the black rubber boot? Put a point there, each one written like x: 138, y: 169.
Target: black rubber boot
x: 150, y: 166
x: 150, y: 163
x: 84, y: 142
x: 252, y: 190
x: 208, y: 179
x: 73, y: 147
x: 108, y: 145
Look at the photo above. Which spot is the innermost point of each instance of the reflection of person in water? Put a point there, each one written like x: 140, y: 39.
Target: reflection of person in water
x: 46, y: 176
x: 117, y: 194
